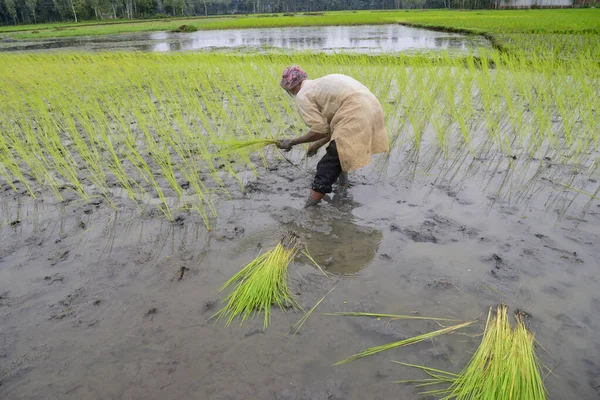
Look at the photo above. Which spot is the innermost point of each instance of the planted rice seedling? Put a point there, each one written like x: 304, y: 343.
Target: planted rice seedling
x: 152, y: 121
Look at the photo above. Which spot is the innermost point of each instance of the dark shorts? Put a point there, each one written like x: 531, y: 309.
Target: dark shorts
x: 328, y: 170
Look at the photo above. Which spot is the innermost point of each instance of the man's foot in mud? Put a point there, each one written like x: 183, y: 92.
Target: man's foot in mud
x: 314, y: 198
x: 343, y: 181
x: 311, y: 202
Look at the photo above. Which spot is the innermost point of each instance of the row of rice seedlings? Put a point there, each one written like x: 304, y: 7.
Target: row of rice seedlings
x: 504, y: 366
x: 552, y: 45
x: 156, y: 117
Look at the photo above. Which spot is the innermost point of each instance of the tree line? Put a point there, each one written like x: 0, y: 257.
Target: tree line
x: 34, y: 11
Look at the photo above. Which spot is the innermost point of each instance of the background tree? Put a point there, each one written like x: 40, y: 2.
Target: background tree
x: 31, y: 6
x: 32, y: 11
x: 11, y: 9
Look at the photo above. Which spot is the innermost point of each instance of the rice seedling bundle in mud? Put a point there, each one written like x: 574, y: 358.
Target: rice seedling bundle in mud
x: 504, y: 367
x: 261, y: 284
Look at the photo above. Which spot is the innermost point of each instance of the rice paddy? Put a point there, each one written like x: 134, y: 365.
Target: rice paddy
x: 180, y: 133
x: 160, y: 129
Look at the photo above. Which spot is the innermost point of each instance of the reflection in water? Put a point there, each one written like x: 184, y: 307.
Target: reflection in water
x: 347, y: 249
x: 329, y: 38
x: 369, y: 38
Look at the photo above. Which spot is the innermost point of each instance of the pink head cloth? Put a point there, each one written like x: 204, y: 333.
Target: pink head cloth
x: 292, y: 77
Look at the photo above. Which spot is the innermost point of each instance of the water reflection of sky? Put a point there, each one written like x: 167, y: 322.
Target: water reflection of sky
x: 370, y: 38
x: 378, y: 38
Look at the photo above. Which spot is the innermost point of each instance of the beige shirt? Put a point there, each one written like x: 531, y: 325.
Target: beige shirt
x: 346, y: 110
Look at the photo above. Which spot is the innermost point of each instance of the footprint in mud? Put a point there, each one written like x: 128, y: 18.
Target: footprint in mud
x: 452, y: 225
x: 179, y: 220
x: 566, y: 255
x: 4, y: 298
x: 555, y: 291
x: 67, y: 306
x: 437, y: 229
x: 414, y: 235
x: 442, y: 284
x: 569, y: 324
x: 230, y: 232
x: 152, y: 311
x: 23, y: 363
x: 256, y: 187
x: 420, y: 237
x: 181, y: 272
x: 54, y: 278
x: 501, y: 270
x: 58, y: 256
x: 595, y: 304
x: 209, y: 306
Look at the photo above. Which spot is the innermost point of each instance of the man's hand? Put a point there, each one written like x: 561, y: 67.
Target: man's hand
x: 285, y: 144
x: 312, y: 150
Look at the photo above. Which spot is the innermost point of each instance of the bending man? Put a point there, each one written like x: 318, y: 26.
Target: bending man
x: 342, y: 112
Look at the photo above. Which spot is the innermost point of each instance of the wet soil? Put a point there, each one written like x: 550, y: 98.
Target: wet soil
x: 96, y: 304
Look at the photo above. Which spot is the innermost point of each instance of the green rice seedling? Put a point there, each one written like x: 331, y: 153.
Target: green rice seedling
x: 306, y: 254
x: 526, y: 381
x: 430, y: 335
x: 390, y: 316
x: 307, y: 314
x: 261, y: 283
x: 232, y: 147
x: 153, y: 120
x: 504, y: 366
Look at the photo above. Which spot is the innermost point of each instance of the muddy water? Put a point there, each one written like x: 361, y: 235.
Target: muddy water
x: 367, y: 39
x: 98, y: 305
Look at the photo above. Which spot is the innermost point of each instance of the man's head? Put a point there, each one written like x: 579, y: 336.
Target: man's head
x: 292, y: 78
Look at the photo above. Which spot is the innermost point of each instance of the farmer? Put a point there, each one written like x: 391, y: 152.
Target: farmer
x: 342, y: 112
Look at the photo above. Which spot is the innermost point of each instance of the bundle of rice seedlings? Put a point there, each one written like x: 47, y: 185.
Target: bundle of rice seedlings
x: 245, y: 147
x: 528, y: 382
x: 504, y: 367
x: 261, y: 283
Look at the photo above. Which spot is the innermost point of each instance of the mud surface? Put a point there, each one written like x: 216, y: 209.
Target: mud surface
x: 102, y: 305
x: 364, y: 39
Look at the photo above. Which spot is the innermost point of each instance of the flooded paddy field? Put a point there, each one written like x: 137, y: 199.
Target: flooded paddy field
x: 363, y: 39
x: 97, y: 304
x: 120, y: 219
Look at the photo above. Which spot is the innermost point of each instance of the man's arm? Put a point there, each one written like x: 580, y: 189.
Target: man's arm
x: 311, y: 136
x: 313, y: 148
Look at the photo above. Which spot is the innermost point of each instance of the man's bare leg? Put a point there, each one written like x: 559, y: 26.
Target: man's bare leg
x: 314, y: 198
x: 343, y: 180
